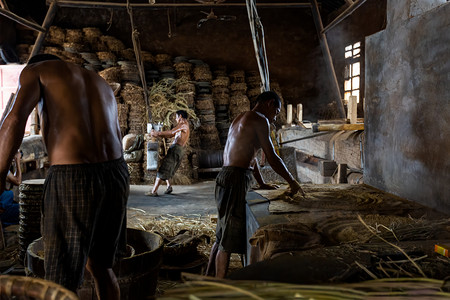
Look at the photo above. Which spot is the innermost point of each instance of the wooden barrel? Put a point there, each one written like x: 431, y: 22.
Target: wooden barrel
x: 30, y: 200
x: 137, y: 274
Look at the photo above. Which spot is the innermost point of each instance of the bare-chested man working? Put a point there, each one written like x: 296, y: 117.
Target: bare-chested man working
x: 248, y: 133
x: 87, y: 186
x: 172, y: 160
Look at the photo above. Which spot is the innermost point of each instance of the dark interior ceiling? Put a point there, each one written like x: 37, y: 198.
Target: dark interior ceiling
x: 36, y: 9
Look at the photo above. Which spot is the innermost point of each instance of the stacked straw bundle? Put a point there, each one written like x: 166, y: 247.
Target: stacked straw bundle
x: 163, y: 60
x: 281, y: 118
x: 55, y: 36
x: 209, y: 137
x: 133, y: 95
x: 187, y: 90
x: 136, y: 172
x: 112, y: 43
x: 113, y: 74
x: 129, y: 71
x: 202, y: 72
x: 238, y: 104
x: 254, y: 87
x: 221, y: 97
x: 122, y: 109
x: 183, y: 70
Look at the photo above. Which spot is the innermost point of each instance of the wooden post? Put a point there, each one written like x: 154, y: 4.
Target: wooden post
x: 289, y: 114
x: 300, y: 113
x: 342, y: 173
x: 51, y: 13
x: 327, y: 57
x: 352, y: 109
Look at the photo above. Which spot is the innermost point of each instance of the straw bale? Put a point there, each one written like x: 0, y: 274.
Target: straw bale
x: 74, y: 47
x: 185, y: 87
x: 210, y: 141
x: 239, y: 86
x: 162, y: 60
x: 132, y: 94
x: 183, y: 66
x: 204, y: 105
x: 106, y: 56
x: 221, y: 99
x: 53, y: 50
x: 237, y: 76
x: 255, y: 92
x: 202, y: 73
x: 112, y: 43
x: 220, y: 91
x: 92, y: 32
x: 147, y: 57
x: 221, y: 81
x: 127, y: 54
x: 112, y: 74
x: 74, y: 36
x: 207, y: 129
x: 207, y: 119
x: 55, y: 35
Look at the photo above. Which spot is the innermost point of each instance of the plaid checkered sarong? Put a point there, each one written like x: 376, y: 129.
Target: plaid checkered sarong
x: 83, y: 215
x: 232, y: 184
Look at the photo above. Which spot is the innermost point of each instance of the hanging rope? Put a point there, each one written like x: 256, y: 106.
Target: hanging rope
x: 258, y: 43
x: 139, y: 61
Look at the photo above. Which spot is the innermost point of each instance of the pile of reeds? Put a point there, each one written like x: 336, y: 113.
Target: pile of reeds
x: 200, y: 287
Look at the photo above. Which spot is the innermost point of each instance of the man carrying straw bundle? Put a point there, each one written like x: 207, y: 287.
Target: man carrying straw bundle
x: 172, y: 160
x: 249, y: 132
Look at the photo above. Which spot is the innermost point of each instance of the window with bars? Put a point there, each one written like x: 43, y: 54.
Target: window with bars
x: 352, y: 72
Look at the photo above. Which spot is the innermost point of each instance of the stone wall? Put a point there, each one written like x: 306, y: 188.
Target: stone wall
x: 407, y: 111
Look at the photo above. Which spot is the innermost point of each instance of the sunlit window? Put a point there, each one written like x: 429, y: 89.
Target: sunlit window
x: 352, y: 72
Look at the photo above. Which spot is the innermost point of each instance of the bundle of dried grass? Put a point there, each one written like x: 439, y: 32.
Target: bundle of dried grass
x: 202, y: 73
x: 106, y: 57
x: 221, y: 99
x: 73, y: 57
x: 221, y: 81
x: 164, y: 101
x: 92, y: 32
x: 127, y: 54
x: 129, y: 71
x: 204, y: 105
x: 74, y: 47
x: 74, y: 36
x: 122, y: 109
x: 55, y: 35
x: 53, y: 50
x: 237, y: 76
x: 183, y: 66
x: 238, y: 104
x: 112, y: 74
x: 147, y: 57
x: 163, y: 60
x: 238, y: 87
x: 184, y: 86
x: 253, y: 93
x: 112, y: 43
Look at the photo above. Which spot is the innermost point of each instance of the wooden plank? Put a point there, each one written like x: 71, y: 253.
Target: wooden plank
x: 336, y: 127
x: 21, y: 20
x: 95, y: 4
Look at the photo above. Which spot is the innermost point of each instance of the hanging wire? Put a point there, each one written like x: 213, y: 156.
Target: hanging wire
x: 259, y: 43
x: 139, y: 61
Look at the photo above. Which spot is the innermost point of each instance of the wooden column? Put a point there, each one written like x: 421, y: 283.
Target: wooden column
x: 328, y: 58
x: 51, y: 13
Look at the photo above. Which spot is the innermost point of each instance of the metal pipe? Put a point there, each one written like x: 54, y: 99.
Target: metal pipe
x: 94, y: 4
x: 21, y: 20
x: 344, y: 15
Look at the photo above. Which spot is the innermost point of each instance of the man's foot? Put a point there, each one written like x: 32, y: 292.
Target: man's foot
x: 169, y: 190
x: 151, y: 194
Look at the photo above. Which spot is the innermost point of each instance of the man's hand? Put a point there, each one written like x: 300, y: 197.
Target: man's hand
x: 295, y: 188
x: 153, y: 133
x: 266, y: 186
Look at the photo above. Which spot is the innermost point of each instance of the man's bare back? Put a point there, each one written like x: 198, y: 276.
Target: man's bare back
x: 77, y: 109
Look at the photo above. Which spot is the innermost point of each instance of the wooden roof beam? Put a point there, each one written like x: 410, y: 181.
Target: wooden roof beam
x: 94, y: 4
x: 20, y: 20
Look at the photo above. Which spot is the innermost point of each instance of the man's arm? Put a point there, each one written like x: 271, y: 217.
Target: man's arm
x: 15, y: 178
x: 169, y: 133
x: 259, y: 179
x: 277, y: 164
x: 13, y: 126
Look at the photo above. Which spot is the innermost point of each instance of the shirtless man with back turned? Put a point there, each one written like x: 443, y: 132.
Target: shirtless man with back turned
x: 87, y: 186
x: 249, y: 132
